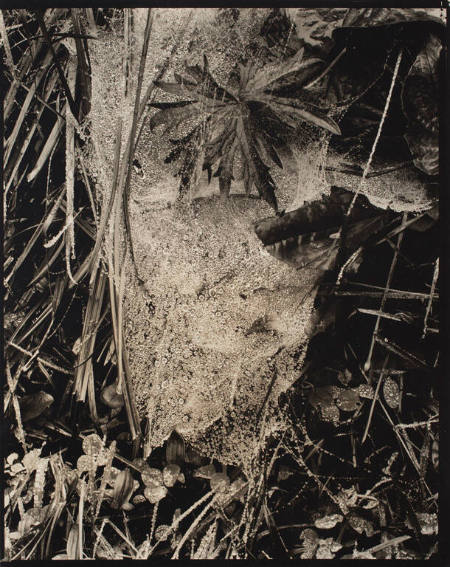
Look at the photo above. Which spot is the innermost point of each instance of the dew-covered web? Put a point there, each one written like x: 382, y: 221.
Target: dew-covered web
x: 220, y: 322
x: 217, y: 332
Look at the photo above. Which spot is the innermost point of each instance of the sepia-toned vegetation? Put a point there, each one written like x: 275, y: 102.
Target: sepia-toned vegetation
x: 319, y: 127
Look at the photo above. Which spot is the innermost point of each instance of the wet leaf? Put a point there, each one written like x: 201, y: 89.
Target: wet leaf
x: 391, y: 392
x: 33, y: 405
x: 435, y: 453
x: 83, y: 463
x: 219, y: 482
x: 348, y: 400
x: 92, y: 444
x: 170, y: 475
x: 238, y: 489
x: 345, y: 377
x: 152, y: 477
x: 155, y: 493
x: 139, y: 499
x: 207, y: 471
x: 328, y: 522
x: 284, y: 473
x: 428, y: 523
x: 330, y: 413
x: 369, y: 17
x: 310, y: 541
x: 327, y: 548
x: 162, y: 532
x: 421, y: 105
x: 366, y: 391
x: 112, y: 476
x: 31, y: 459
x: 361, y: 525
x: 252, y: 134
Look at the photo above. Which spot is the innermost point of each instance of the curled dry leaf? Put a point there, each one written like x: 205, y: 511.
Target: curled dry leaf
x: 360, y: 524
x: 77, y: 346
x: 327, y: 548
x: 310, y: 541
x: 111, y: 398
x: 11, y: 458
x: 328, y: 522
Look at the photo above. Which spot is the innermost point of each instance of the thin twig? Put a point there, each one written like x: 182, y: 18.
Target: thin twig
x: 430, y: 301
x: 374, y: 399
x: 383, y: 299
x: 343, y: 229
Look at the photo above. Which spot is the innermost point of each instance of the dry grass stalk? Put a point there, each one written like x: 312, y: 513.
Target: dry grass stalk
x: 6, y: 46
x: 430, y: 301
x: 368, y: 362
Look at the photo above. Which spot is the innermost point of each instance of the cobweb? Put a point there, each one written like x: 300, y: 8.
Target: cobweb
x: 218, y: 331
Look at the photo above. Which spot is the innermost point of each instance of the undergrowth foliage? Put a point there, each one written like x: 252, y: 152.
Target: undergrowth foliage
x: 249, y: 123
x: 354, y: 474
